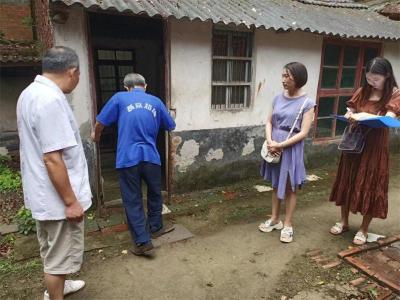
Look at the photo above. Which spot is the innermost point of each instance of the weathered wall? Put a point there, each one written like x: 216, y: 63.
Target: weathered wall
x: 191, y: 54
x: 391, y: 51
x: 15, y: 20
x: 214, y: 147
x: 73, y: 35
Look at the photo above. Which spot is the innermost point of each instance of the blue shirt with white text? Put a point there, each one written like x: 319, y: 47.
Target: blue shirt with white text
x: 139, y: 116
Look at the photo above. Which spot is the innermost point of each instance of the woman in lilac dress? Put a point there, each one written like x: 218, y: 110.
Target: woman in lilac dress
x: 289, y: 174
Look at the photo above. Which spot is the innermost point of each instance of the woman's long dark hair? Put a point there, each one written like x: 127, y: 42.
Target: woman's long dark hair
x: 380, y: 66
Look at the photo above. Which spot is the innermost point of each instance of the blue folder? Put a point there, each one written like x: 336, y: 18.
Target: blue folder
x: 375, y: 122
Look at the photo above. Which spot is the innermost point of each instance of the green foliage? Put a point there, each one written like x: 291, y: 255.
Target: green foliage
x: 8, y: 267
x: 9, y: 180
x: 8, y: 240
x: 26, y: 223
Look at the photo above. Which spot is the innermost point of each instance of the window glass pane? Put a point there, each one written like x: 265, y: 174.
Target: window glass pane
x: 219, y: 70
x: 325, y: 106
x: 350, y: 56
x: 123, y: 70
x: 107, y: 84
x: 331, y: 55
x: 370, y: 53
x: 239, y: 45
x: 239, y: 95
x: 240, y: 71
x: 218, y: 95
x: 124, y: 55
x: 106, y: 71
x: 342, y: 104
x: 340, y: 126
x: 106, y: 54
x: 324, y: 127
x: 348, y: 78
x: 220, y: 44
x: 329, y: 76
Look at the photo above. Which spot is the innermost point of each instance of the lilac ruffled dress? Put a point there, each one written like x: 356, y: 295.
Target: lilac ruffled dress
x: 291, y: 165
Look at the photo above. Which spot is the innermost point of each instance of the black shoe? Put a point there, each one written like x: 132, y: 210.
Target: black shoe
x: 163, y: 230
x: 142, y: 249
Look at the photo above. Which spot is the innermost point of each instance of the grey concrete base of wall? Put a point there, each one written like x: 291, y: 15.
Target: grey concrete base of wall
x: 9, y: 143
x: 208, y: 158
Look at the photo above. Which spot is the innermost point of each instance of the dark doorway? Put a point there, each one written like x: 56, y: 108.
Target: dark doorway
x: 120, y: 45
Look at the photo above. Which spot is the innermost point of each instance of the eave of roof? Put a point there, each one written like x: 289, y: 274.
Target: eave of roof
x: 271, y: 14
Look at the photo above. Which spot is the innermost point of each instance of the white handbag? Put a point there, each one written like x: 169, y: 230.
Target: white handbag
x: 276, y: 158
x: 268, y: 156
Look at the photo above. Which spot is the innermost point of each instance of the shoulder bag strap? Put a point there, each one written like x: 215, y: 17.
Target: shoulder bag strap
x: 297, y: 118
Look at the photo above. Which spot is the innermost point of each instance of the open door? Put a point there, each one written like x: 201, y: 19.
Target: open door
x: 121, y: 45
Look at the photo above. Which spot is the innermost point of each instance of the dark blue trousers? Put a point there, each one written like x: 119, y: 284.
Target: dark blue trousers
x: 131, y: 190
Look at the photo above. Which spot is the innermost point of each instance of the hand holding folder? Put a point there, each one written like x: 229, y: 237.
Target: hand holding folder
x: 372, y: 121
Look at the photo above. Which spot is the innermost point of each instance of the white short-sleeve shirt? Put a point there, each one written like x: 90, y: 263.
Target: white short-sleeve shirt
x: 45, y: 124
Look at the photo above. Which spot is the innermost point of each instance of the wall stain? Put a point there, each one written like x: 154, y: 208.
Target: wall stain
x: 187, y: 155
x: 249, y: 147
x: 214, y: 154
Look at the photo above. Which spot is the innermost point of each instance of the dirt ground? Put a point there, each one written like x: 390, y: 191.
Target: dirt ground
x: 229, y: 258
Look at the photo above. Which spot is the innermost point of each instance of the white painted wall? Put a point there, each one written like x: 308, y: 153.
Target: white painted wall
x: 391, y: 51
x: 191, y: 65
x: 72, y: 34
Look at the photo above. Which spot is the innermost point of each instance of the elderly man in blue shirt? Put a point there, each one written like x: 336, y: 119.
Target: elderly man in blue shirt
x: 139, y: 116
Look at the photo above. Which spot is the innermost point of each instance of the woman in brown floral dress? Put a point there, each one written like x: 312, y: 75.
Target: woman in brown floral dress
x: 362, y: 180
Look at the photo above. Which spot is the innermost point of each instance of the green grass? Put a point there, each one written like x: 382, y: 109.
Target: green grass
x: 10, y: 180
x: 9, y: 267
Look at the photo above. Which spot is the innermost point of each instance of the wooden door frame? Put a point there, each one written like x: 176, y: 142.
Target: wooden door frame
x: 167, y: 81
x: 99, y: 193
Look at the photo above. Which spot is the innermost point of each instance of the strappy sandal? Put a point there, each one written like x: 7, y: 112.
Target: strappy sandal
x: 338, y: 228
x: 360, y: 238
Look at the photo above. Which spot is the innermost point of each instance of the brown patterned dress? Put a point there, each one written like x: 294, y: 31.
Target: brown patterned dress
x: 363, y: 179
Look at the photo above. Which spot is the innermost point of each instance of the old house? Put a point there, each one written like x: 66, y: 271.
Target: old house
x: 217, y: 65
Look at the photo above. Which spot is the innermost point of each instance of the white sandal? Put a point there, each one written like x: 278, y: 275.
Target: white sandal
x: 338, y: 228
x: 360, y: 238
x: 267, y: 226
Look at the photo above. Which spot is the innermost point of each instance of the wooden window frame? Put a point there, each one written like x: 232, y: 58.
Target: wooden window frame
x: 247, y: 101
x: 338, y: 92
x: 116, y: 63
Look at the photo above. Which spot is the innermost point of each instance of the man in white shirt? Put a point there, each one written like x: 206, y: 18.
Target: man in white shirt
x: 54, y: 170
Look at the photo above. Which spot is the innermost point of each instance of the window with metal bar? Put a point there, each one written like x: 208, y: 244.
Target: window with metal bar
x: 112, y: 66
x: 342, y: 73
x: 231, y: 69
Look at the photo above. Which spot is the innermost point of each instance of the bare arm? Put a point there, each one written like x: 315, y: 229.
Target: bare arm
x: 59, y: 177
x: 98, y: 129
x: 268, y: 129
x: 305, y: 128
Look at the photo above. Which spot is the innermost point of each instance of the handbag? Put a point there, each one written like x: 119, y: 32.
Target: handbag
x: 353, y: 139
x: 268, y: 156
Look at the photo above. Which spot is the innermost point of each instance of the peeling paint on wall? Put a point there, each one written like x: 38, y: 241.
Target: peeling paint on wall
x: 248, y: 148
x: 214, y: 154
x: 186, y: 157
